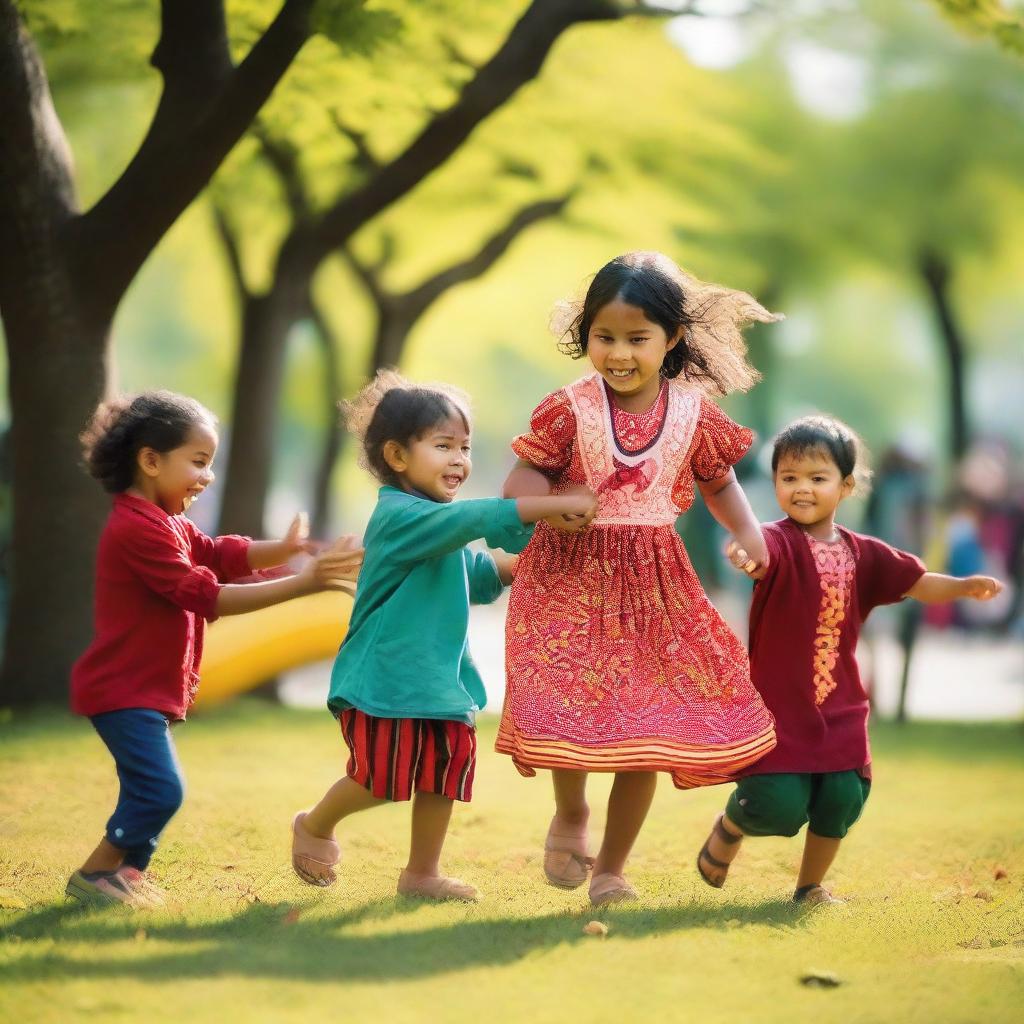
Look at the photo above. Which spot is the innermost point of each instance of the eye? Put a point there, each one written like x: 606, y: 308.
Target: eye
x: 638, y: 341
x: 443, y: 445
x: 466, y: 448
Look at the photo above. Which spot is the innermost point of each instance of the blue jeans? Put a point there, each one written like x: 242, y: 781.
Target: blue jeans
x: 152, y: 786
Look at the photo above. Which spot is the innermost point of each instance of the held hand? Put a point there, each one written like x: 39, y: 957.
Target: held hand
x: 580, y: 512
x: 296, y: 540
x: 981, y: 588
x: 742, y: 561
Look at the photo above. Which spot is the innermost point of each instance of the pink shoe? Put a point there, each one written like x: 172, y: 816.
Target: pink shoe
x: 436, y: 887
x: 609, y: 888
x: 313, y: 858
x: 139, y: 882
x: 105, y: 891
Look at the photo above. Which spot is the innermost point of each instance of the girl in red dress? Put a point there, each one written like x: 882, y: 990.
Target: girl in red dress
x: 819, y: 585
x: 616, y: 660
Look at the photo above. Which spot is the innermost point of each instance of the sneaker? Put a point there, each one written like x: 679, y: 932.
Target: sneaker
x: 101, y: 891
x: 143, y: 887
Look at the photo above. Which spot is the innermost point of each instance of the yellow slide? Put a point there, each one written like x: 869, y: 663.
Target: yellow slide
x: 242, y: 651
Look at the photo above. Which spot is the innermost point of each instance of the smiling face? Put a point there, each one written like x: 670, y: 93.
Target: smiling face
x: 627, y: 350
x: 809, y: 487
x: 174, y: 479
x: 437, y: 463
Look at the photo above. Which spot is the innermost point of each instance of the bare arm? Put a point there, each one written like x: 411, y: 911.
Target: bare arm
x: 330, y: 570
x: 728, y: 504
x: 526, y: 481
x: 579, y: 505
x: 935, y: 588
x: 506, y: 566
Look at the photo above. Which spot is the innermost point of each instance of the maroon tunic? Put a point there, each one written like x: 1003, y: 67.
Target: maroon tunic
x: 805, y: 618
x: 157, y: 580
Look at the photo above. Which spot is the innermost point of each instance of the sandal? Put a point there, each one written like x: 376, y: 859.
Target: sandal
x: 608, y: 888
x: 436, y: 887
x: 816, y: 896
x: 725, y: 836
x: 313, y: 858
x: 566, y: 863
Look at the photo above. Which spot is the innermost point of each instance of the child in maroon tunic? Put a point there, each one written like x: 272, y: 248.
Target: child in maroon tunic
x: 819, y: 585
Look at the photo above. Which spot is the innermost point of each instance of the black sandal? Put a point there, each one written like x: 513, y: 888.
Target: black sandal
x: 727, y: 837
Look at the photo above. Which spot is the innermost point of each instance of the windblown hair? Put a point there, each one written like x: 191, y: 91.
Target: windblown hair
x: 390, y: 408
x: 711, y: 352
x: 120, y: 428
x: 832, y: 438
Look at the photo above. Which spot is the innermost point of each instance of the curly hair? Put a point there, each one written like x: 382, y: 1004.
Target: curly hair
x: 710, y: 352
x: 120, y: 428
x: 390, y: 408
x: 833, y: 438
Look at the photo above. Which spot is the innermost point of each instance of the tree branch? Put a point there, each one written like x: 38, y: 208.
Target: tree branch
x: 284, y: 158
x: 35, y: 160
x: 191, y: 133
x: 519, y: 60
x: 233, y: 252
x: 421, y: 297
x: 365, y: 159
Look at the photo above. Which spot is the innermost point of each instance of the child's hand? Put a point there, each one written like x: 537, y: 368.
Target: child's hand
x: 341, y: 561
x: 981, y: 588
x: 578, y: 518
x: 296, y: 540
x: 742, y: 561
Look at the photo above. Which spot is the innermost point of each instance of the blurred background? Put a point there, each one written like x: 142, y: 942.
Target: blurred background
x: 855, y: 164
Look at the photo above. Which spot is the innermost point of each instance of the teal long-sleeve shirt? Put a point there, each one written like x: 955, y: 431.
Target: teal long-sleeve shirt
x: 406, y: 654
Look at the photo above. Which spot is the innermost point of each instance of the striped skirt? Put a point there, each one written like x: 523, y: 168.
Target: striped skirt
x: 396, y: 757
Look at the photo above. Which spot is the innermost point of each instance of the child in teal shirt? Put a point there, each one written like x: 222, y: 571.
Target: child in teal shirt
x: 404, y: 687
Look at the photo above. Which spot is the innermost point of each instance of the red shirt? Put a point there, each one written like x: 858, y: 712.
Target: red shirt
x: 157, y: 581
x: 805, y: 618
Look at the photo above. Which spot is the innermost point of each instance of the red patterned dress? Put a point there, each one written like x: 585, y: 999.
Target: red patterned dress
x: 616, y: 660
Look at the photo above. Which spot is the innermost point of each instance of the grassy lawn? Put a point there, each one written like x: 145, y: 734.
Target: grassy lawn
x: 929, y: 934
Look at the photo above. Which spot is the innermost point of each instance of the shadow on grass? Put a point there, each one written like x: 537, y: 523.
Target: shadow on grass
x: 273, y: 941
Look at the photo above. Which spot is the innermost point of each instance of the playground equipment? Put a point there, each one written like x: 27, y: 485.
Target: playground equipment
x: 242, y: 651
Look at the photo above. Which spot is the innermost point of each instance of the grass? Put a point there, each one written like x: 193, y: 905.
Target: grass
x: 930, y: 934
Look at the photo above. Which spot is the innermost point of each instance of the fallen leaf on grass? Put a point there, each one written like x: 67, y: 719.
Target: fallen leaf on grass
x: 984, y: 894
x: 292, y: 916
x: 595, y: 928
x: 820, y: 979
x: 1000, y: 873
x: 11, y: 900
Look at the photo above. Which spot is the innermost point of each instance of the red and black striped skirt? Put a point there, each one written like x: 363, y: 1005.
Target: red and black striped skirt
x: 396, y: 757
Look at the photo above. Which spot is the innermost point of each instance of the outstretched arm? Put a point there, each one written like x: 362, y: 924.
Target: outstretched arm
x: 526, y: 481
x: 728, y: 504
x: 936, y: 588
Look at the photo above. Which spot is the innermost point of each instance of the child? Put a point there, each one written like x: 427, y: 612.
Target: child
x: 158, y: 579
x: 616, y: 659
x: 404, y: 688
x: 819, y: 585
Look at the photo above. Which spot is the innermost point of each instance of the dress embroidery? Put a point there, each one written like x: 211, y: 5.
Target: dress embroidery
x: 836, y: 569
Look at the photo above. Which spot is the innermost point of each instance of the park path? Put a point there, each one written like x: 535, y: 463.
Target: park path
x: 955, y: 676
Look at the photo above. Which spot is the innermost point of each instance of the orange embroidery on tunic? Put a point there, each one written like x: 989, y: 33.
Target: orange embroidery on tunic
x: 835, y: 566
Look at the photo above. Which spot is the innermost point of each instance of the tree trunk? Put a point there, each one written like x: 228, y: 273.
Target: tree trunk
x: 322, y: 516
x: 265, y: 325
x: 58, y: 508
x: 935, y: 272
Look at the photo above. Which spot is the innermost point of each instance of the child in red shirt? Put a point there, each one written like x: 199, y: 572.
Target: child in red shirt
x: 158, y: 579
x: 810, y: 600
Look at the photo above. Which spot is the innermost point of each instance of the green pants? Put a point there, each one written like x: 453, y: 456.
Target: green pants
x: 780, y: 805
